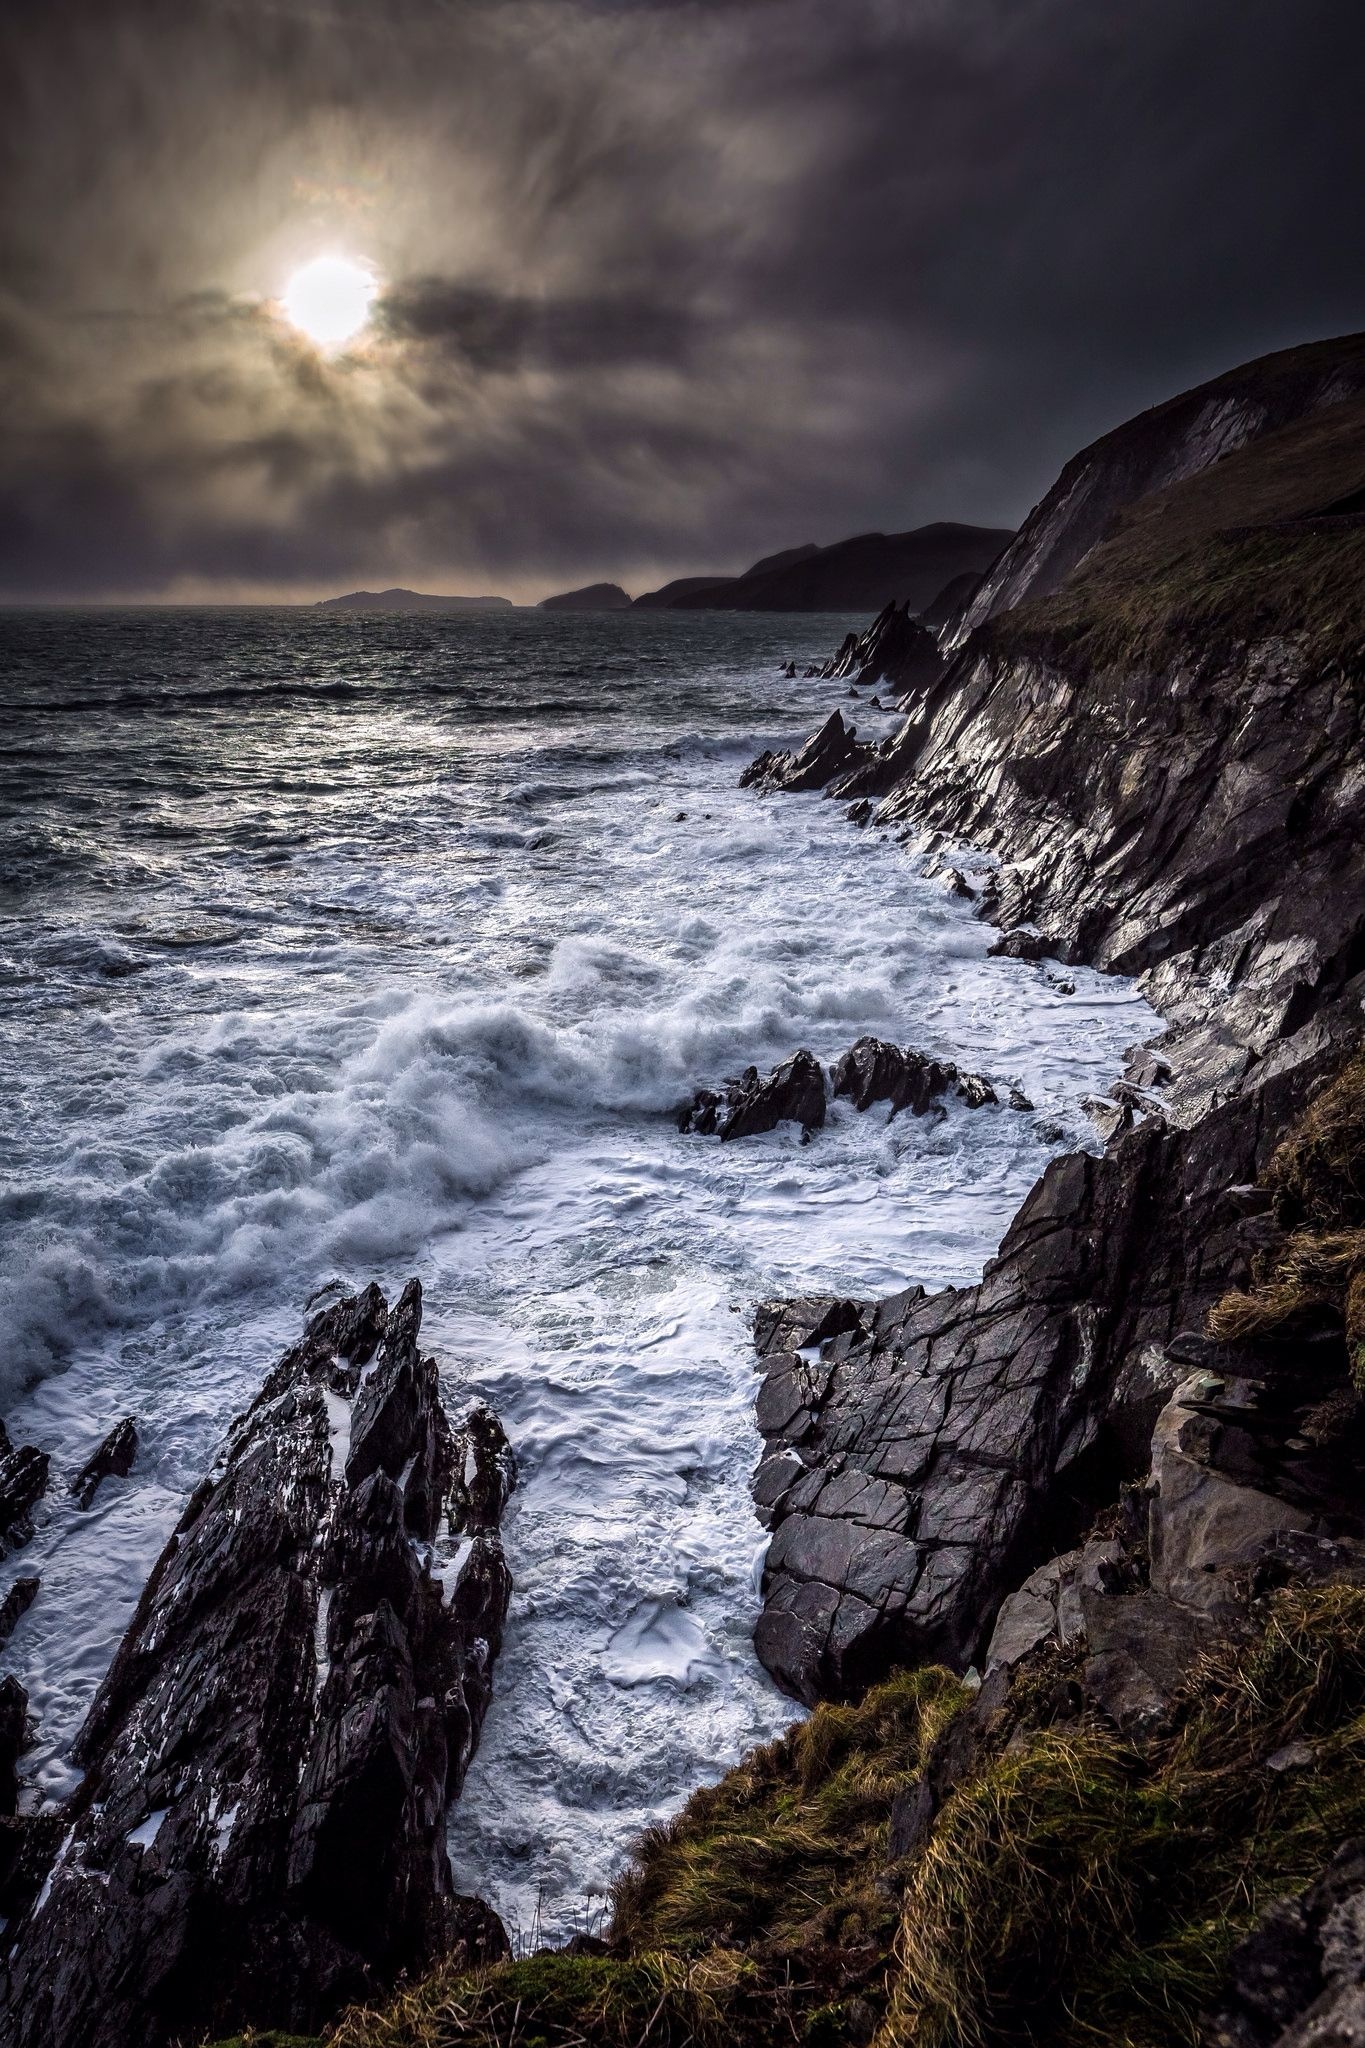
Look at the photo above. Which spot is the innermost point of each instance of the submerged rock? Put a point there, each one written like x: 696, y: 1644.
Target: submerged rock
x: 260, y: 1834
x: 113, y: 1460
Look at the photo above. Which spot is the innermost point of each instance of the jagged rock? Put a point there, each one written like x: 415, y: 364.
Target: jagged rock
x: 896, y: 648
x: 956, y: 1432
x: 113, y: 1460
x: 832, y: 750
x: 794, y: 1092
x: 1205, y: 1525
x: 811, y: 1320
x: 1110, y: 1119
x: 260, y: 1833
x: 13, y: 1731
x: 873, y: 1070
x: 1020, y: 945
x: 23, y: 1481
x: 15, y: 1605
x: 1145, y: 1068
x: 1298, y: 1980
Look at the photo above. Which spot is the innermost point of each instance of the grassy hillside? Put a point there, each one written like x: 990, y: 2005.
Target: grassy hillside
x: 1074, y: 1887
x: 1269, y: 541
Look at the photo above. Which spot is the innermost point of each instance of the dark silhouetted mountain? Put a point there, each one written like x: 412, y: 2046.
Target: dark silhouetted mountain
x: 1153, y: 451
x: 667, y: 595
x: 863, y: 574
x: 409, y: 601
x: 593, y: 597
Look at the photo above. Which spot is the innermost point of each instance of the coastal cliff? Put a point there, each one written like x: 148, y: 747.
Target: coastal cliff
x: 1069, y: 1564
x: 1078, y: 1552
x: 1181, y: 438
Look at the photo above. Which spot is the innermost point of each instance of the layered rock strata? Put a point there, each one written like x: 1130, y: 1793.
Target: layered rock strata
x: 260, y: 1833
x: 924, y: 1452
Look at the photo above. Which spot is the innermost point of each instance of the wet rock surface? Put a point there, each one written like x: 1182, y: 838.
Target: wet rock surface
x: 113, y: 1460
x: 828, y: 753
x: 870, y: 1072
x: 938, y: 1446
x: 873, y: 1070
x: 23, y: 1482
x: 260, y: 1833
x: 794, y: 1092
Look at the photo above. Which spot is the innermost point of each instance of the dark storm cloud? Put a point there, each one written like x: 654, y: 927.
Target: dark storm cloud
x: 667, y: 283
x: 494, y: 332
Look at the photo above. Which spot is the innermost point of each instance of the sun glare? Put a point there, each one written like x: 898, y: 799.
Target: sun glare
x: 329, y: 299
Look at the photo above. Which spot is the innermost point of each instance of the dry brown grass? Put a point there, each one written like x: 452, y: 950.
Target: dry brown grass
x: 1318, y: 1178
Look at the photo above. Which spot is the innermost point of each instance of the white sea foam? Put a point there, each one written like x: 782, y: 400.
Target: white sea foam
x: 481, y: 959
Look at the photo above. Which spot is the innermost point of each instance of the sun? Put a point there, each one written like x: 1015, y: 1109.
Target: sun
x: 329, y: 299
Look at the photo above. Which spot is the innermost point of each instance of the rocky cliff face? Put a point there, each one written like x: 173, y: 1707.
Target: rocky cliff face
x: 941, y: 1445
x: 1175, y: 440
x: 1159, y: 797
x: 260, y: 1834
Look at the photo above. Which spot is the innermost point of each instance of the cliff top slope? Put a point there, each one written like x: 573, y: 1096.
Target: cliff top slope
x: 1269, y: 540
x: 1172, y: 441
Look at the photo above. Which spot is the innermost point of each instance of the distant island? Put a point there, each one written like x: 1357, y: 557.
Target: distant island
x: 593, y: 597
x: 410, y: 601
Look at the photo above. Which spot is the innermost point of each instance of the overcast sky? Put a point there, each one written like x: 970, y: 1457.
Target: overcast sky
x: 666, y: 284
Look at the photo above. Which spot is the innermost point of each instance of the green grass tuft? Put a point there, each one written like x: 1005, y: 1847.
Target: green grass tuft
x: 1075, y: 1887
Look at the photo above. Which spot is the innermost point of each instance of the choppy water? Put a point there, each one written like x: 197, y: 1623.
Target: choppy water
x: 337, y: 947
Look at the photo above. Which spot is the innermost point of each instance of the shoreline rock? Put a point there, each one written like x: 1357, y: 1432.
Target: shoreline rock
x: 259, y: 1837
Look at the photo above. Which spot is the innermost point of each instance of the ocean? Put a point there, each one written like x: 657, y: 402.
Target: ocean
x: 347, y: 947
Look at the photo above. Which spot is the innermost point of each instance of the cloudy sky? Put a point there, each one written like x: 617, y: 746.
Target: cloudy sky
x: 664, y: 284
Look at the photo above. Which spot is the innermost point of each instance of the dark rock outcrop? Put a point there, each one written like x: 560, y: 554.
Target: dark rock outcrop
x: 829, y: 752
x: 13, y: 1730
x: 937, y: 1451
x: 15, y: 1606
x: 896, y: 648
x: 794, y: 1092
x: 23, y: 1482
x: 113, y: 1460
x: 260, y: 1833
x: 875, y: 1071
